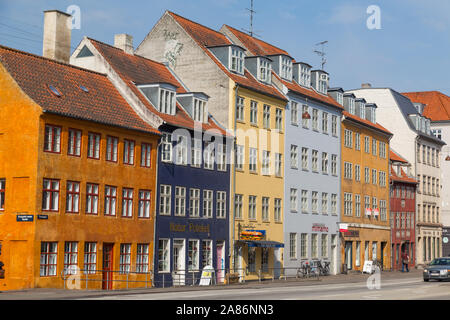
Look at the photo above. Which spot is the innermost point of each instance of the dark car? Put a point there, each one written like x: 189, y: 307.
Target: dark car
x: 438, y: 269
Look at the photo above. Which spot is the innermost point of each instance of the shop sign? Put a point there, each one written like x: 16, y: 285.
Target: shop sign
x: 24, y: 217
x: 253, y: 234
x: 352, y: 233
x: 190, y: 227
x: 343, y: 227
x: 319, y: 227
x: 42, y: 216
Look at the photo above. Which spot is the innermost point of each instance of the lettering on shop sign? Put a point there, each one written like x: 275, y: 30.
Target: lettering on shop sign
x: 320, y: 227
x: 191, y: 227
x: 24, y: 217
x: 352, y: 233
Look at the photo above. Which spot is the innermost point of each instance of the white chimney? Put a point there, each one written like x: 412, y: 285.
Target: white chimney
x: 125, y: 42
x: 366, y: 86
x: 57, y: 34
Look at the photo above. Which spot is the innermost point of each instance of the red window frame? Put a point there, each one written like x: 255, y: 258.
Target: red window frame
x: 127, y: 197
x: 69, y: 253
x: 72, y: 142
x: 124, y: 266
x: 90, y: 253
x: 143, y: 200
x: 108, y: 201
x: 142, y: 267
x: 45, y: 256
x: 90, y: 195
x: 2, y: 194
x: 52, y: 193
x: 129, y: 151
x: 70, y: 194
x: 112, y: 147
x: 146, y: 155
x: 95, y: 135
x: 54, y: 147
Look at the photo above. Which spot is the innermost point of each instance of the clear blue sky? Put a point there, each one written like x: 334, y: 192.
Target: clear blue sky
x: 410, y: 52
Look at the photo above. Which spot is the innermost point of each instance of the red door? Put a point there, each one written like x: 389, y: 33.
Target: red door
x: 107, y: 266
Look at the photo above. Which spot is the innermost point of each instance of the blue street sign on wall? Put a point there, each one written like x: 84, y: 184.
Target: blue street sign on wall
x: 24, y: 217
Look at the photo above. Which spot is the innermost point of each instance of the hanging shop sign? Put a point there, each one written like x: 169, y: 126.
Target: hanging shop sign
x: 319, y: 227
x: 343, y: 227
x: 253, y: 234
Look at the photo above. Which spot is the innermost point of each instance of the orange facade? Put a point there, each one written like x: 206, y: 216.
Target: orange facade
x: 24, y: 166
x: 365, y: 199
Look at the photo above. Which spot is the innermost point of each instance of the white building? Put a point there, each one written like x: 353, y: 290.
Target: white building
x: 414, y: 140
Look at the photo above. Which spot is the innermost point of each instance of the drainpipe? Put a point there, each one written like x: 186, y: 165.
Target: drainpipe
x: 154, y: 221
x: 236, y: 88
x: 416, y: 140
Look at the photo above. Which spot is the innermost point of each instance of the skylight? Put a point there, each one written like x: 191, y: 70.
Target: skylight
x: 84, y: 88
x: 54, y: 90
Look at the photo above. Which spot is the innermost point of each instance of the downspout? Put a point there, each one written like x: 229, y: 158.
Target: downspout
x: 155, y: 215
x: 236, y: 88
x: 415, y: 205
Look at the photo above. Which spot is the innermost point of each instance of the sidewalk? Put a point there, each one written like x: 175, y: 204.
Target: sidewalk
x: 56, y: 294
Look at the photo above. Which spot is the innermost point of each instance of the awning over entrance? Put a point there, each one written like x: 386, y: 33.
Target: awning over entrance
x: 261, y: 243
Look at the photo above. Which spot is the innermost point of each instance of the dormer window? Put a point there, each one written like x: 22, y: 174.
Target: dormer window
x: 237, y: 60
x: 323, y: 83
x: 351, y: 105
x: 340, y: 98
x: 362, y: 110
x: 161, y: 95
x: 200, y: 112
x: 264, y: 70
x: 286, y: 68
x: 167, y: 101
x: 305, y: 76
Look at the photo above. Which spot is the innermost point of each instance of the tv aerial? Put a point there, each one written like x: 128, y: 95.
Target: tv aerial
x: 322, y: 53
x: 252, y: 12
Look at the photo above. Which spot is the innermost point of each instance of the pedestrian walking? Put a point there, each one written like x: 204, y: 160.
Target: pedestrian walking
x: 405, y: 261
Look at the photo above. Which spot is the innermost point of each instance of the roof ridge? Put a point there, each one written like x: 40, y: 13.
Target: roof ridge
x: 49, y: 60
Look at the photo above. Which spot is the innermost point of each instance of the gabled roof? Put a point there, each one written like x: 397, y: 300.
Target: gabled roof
x: 206, y: 37
x: 437, y: 104
x: 135, y: 69
x: 394, y: 156
x: 402, y: 177
x: 102, y: 103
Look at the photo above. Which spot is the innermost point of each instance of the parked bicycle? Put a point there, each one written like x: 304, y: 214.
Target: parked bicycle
x: 324, y: 268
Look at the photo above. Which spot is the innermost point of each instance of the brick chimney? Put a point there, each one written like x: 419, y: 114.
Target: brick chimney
x: 57, y: 34
x: 125, y: 42
x: 366, y: 86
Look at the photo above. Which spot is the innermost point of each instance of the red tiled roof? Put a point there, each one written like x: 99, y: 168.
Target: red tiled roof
x: 102, y: 104
x: 205, y: 37
x: 393, y: 156
x: 437, y: 104
x: 135, y: 69
x: 366, y: 122
x: 403, y: 177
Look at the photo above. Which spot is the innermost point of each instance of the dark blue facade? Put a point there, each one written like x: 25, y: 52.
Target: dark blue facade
x: 182, y: 242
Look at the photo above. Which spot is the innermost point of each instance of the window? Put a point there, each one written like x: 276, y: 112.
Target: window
x: 334, y: 164
x: 277, y: 210
x: 165, y: 194
x: 314, y: 201
x: 324, y: 122
x: 200, y: 113
x: 206, y: 253
x: 196, y: 152
x: 348, y: 136
x: 382, y: 150
x: 358, y: 254
x: 334, y: 204
x: 127, y: 202
x: 90, y: 257
x: 2, y: 194
x: 265, y: 209
x: 253, y: 159
x: 74, y: 143
x: 366, y: 204
x: 383, y: 210
x: 324, y: 203
x: 144, y: 203
x: 294, y: 113
x: 237, y: 60
x: 292, y: 245
x: 72, y: 197
x: 264, y: 70
x: 357, y: 141
x: 305, y: 158
x: 305, y: 116
x: 167, y: 101
x: 252, y: 207
x: 239, y: 157
x: 142, y: 258
x: 348, y: 205
x: 50, y: 195
x: 166, y: 147
x: 238, y: 206
x: 324, y: 162
x: 374, y: 204
x: 207, y: 203
x: 221, y: 203
x: 294, y: 156
x: 240, y: 109
x: 193, y: 255
x: 304, y: 201
x: 315, y: 159
x: 254, y: 112
x: 125, y: 258
x: 303, y: 245
x: 374, y: 176
x: 314, y: 245
x: 251, y: 260
x: 294, y: 201
x: 208, y: 155
x: 128, y: 153
x: 146, y: 155
x: 52, y: 139
x: 111, y: 148
x: 278, y: 164
x: 334, y: 126
x: 163, y: 255
x: 91, y: 198
x: 70, y: 257
x: 110, y: 200
x: 382, y: 178
x: 357, y: 172
x: 324, y: 247
x: 49, y: 251
x: 366, y: 144
x: 93, y: 145
x: 315, y: 119
x: 305, y: 76
x: 348, y: 168
x: 266, y: 163
x: 286, y: 68
x: 279, y: 119
x: 366, y: 175
x: 180, y: 201
x: 357, y: 205
x: 266, y: 117
x: 374, y: 147
x: 194, y: 202
x: 222, y: 157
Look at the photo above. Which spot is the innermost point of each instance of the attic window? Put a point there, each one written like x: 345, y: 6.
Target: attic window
x: 84, y: 89
x: 237, y: 60
x: 286, y: 68
x: 54, y: 90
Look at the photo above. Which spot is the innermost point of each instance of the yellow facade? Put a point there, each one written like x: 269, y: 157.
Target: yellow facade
x: 366, y: 233
x: 24, y: 164
x: 255, y: 183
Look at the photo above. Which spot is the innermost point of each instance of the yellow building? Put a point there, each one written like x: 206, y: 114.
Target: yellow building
x: 365, y: 186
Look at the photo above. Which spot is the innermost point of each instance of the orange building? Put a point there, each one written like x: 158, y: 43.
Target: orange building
x: 78, y: 172
x: 364, y: 186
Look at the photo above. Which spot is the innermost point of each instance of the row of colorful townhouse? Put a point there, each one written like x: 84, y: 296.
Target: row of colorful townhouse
x: 199, y: 148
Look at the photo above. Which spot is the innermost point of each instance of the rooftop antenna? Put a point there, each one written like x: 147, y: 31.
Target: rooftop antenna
x: 322, y: 52
x: 251, y: 32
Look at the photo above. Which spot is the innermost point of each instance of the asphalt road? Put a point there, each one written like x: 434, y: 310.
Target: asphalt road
x: 386, y: 289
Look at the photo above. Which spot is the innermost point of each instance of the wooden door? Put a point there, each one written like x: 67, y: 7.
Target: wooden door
x: 107, y: 266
